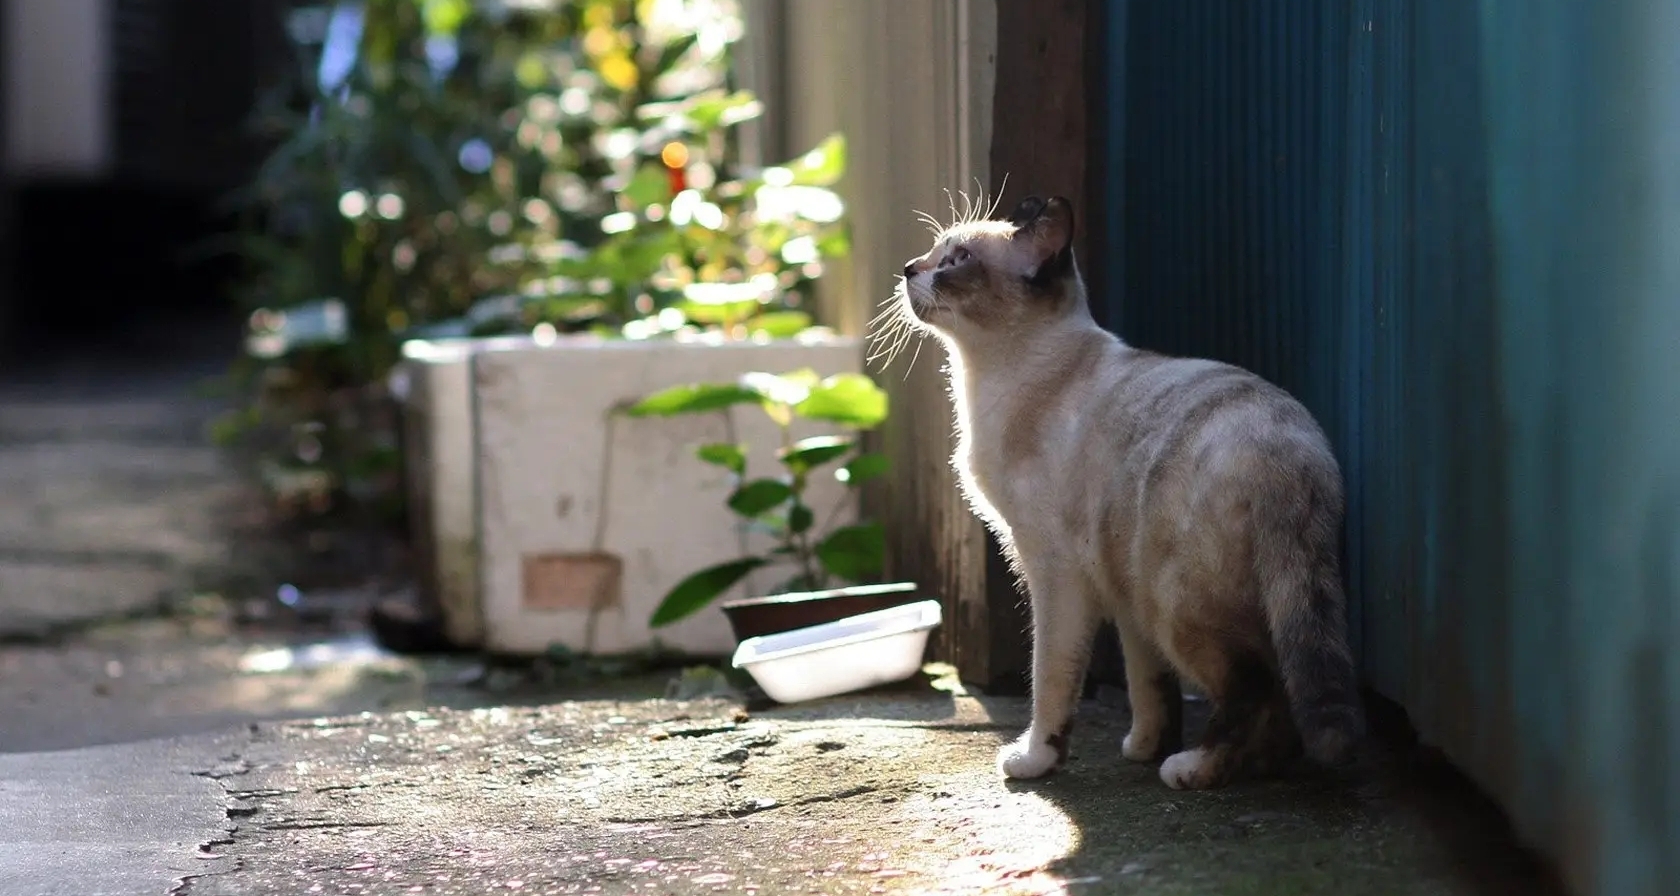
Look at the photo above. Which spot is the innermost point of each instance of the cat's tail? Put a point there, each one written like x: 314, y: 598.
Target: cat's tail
x: 1305, y: 607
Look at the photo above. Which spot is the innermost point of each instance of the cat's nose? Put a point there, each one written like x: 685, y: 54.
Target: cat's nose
x: 910, y: 269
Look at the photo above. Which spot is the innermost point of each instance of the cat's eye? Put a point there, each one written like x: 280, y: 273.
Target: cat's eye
x: 956, y: 256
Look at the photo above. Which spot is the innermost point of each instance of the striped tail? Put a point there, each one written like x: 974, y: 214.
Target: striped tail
x: 1306, y: 610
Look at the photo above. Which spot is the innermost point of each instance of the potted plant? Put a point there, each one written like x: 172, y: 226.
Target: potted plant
x: 828, y: 571
x: 660, y: 259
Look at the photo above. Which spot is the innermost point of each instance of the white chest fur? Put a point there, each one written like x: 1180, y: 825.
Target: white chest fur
x: 1011, y: 489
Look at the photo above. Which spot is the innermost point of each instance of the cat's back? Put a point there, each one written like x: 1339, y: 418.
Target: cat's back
x: 1169, y: 413
x: 1122, y: 438
x: 1203, y: 453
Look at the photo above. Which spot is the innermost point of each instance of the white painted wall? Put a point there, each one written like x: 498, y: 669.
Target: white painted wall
x: 58, y: 91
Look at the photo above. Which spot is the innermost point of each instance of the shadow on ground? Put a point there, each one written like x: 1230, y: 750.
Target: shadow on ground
x: 1401, y: 820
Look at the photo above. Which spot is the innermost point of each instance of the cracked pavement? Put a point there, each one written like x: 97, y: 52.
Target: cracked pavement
x: 892, y: 793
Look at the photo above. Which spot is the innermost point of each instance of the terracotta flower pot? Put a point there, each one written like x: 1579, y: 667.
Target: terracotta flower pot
x: 754, y: 616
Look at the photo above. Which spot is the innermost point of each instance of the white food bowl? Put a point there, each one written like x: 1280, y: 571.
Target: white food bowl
x: 844, y: 655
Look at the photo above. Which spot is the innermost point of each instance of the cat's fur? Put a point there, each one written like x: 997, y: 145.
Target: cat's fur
x: 1192, y: 502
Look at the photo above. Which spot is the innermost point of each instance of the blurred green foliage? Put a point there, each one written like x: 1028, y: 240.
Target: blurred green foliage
x: 498, y: 166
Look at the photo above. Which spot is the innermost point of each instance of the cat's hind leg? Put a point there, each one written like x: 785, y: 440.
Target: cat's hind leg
x: 1064, y: 626
x: 1245, y: 702
x: 1157, y: 700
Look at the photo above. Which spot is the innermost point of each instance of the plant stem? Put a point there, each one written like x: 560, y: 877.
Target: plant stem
x: 813, y: 571
x: 799, y: 542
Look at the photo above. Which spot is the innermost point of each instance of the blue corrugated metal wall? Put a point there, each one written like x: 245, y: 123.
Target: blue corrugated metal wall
x: 1454, y: 230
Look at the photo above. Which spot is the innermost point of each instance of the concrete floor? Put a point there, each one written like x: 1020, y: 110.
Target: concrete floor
x: 883, y: 793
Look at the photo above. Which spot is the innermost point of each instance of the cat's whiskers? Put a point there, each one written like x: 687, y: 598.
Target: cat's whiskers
x: 951, y: 203
x: 892, y: 345
x: 892, y: 328
x: 976, y: 203
x: 885, y: 331
x: 991, y: 210
x: 913, y: 356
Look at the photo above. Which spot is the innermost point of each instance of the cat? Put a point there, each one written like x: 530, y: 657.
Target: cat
x: 1192, y: 502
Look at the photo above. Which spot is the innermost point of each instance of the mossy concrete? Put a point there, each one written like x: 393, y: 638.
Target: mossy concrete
x: 884, y: 793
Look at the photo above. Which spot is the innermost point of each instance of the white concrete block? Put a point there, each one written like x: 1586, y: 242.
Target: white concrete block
x: 574, y: 512
x: 434, y: 383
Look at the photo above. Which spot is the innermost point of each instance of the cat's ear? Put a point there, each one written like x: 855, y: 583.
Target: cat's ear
x: 1026, y: 211
x: 1044, y: 237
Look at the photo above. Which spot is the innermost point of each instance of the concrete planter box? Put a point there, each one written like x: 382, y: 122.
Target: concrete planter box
x: 554, y: 522
x: 434, y: 383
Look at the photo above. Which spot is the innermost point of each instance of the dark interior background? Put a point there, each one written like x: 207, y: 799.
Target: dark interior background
x: 100, y: 264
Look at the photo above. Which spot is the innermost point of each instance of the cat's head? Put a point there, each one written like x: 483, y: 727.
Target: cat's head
x: 982, y: 279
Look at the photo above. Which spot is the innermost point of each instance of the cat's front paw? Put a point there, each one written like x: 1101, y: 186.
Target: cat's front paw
x: 1029, y: 757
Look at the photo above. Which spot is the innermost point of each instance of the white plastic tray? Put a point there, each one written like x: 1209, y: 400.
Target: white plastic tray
x: 848, y: 654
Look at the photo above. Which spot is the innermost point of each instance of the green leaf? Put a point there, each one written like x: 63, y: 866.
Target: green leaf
x: 748, y: 295
x: 779, y: 324
x: 848, y: 398
x: 530, y: 71
x: 835, y: 244
x: 693, y: 398
x: 564, y: 309
x: 714, y: 313
x: 857, y: 553
x: 708, y: 111
x: 808, y: 454
x: 650, y: 185
x: 759, y: 496
x: 800, y: 518
x: 730, y: 457
x: 823, y: 165
x: 444, y: 17
x: 780, y: 393
x: 673, y: 51
x: 641, y: 254
x: 786, y: 388
x: 693, y: 593
x: 863, y: 468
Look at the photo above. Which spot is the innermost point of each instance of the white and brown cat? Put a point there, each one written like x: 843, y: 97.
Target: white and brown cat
x: 1192, y: 502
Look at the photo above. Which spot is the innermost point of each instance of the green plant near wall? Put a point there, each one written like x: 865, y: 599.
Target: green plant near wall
x: 381, y: 205
x: 393, y: 187
x: 637, y: 141
x: 692, y: 249
x: 815, y: 550
x: 693, y: 241
x: 568, y: 164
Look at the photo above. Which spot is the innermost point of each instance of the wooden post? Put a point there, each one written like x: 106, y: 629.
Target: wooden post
x: 1042, y: 111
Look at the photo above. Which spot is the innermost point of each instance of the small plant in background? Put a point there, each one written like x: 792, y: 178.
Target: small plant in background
x: 477, y: 167
x: 816, y: 553
x: 392, y: 180
x: 692, y: 249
